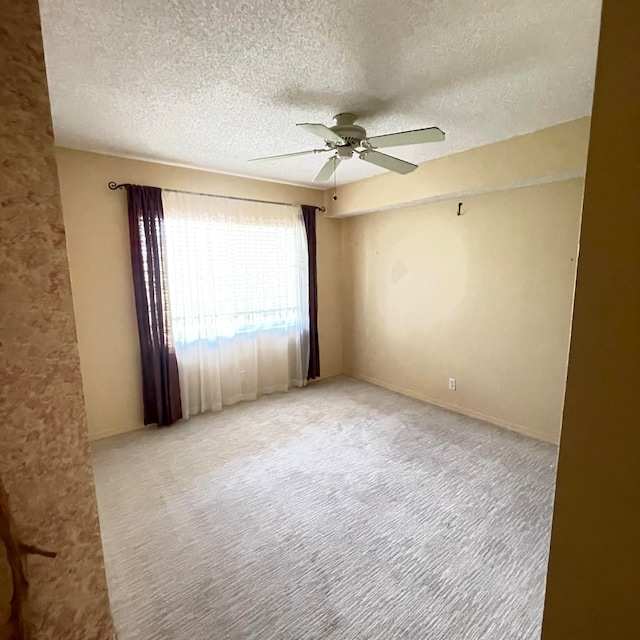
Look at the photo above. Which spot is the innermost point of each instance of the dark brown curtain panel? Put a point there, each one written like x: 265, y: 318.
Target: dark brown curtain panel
x: 309, y: 215
x: 160, y: 383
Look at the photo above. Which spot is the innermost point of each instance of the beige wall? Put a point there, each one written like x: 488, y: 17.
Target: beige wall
x: 97, y: 239
x: 484, y: 298
x: 412, y: 318
x: 552, y: 154
x: 593, y: 585
x: 44, y: 452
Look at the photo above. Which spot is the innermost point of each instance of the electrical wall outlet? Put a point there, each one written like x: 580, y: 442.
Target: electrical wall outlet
x: 452, y: 384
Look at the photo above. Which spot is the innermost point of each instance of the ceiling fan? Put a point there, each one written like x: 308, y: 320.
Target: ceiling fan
x: 346, y: 138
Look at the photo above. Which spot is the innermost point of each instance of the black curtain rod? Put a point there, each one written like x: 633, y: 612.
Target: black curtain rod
x: 113, y: 186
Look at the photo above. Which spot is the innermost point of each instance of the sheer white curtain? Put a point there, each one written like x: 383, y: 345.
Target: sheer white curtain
x: 239, y: 298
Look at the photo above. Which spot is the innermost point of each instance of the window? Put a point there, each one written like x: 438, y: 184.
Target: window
x: 228, y: 277
x: 234, y: 271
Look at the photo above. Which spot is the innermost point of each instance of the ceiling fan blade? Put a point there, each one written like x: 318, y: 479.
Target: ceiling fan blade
x: 322, y: 131
x: 328, y: 169
x: 388, y: 162
x: 418, y: 136
x: 288, y: 155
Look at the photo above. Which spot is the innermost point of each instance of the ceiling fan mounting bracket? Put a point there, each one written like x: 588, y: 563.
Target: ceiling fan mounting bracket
x: 345, y: 118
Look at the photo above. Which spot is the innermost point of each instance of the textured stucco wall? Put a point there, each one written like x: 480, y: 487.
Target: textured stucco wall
x: 44, y: 454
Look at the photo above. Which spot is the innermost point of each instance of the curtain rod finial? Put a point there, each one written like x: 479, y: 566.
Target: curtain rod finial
x: 113, y: 186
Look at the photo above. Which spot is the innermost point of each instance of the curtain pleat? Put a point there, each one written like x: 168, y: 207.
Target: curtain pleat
x: 160, y: 380
x: 309, y: 216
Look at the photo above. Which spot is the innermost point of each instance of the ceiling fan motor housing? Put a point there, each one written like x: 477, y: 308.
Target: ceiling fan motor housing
x: 351, y: 133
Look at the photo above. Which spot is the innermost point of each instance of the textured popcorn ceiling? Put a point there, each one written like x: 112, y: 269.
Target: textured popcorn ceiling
x: 211, y: 84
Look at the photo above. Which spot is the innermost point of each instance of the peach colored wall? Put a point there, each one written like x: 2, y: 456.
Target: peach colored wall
x: 593, y: 585
x: 44, y: 451
x: 484, y: 298
x: 97, y: 238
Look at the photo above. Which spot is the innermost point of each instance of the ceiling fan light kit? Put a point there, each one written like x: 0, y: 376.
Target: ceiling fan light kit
x: 346, y: 138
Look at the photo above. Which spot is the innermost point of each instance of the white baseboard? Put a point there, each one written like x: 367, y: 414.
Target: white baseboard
x: 526, y: 431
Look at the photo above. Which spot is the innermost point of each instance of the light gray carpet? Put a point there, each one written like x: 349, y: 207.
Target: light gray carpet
x: 338, y: 512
